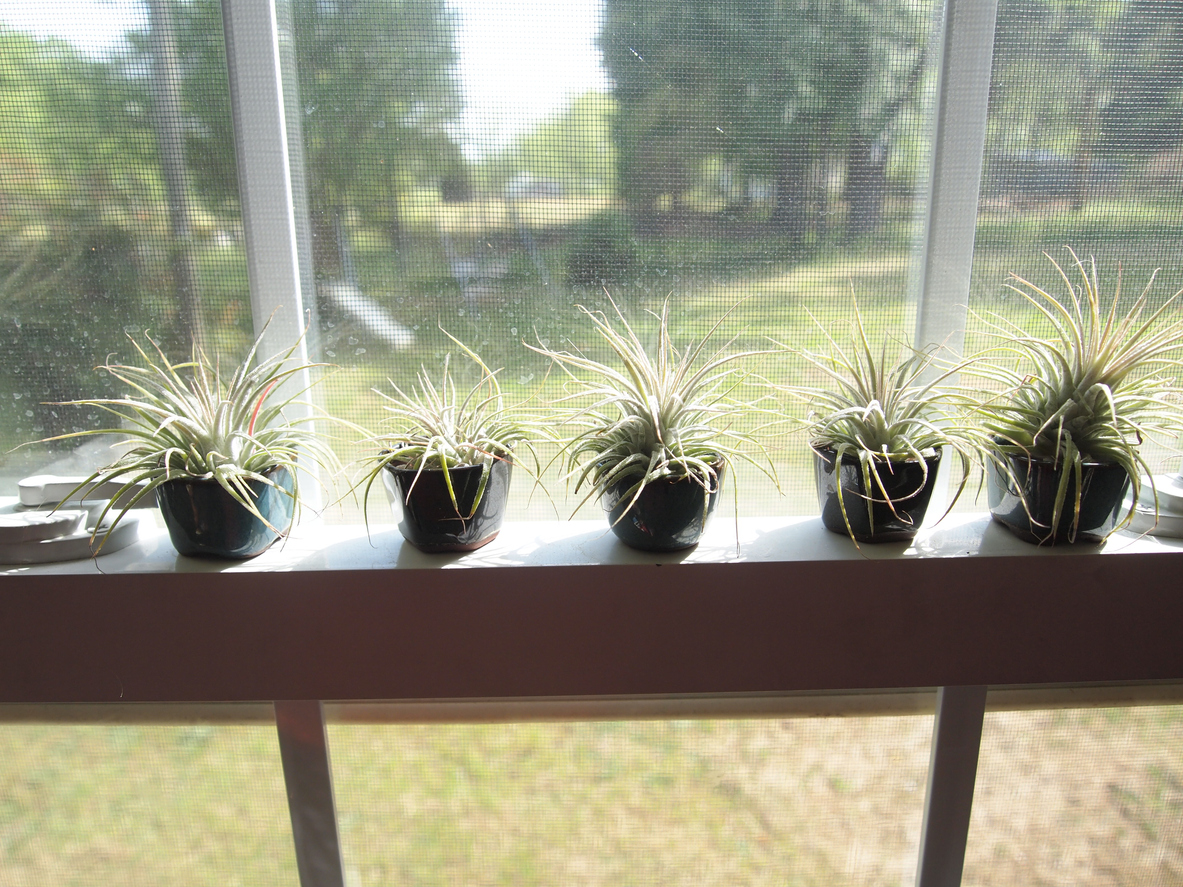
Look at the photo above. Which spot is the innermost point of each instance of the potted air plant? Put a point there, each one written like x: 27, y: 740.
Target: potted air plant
x: 446, y: 457
x: 879, y: 430
x: 219, y: 453
x: 1069, y: 407
x: 655, y: 434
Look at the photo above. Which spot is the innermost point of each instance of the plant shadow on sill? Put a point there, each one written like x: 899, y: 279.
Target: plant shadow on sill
x: 592, y: 543
x: 534, y: 544
x: 544, y: 545
x: 979, y: 536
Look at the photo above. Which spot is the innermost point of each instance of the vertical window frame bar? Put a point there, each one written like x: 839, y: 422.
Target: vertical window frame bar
x: 959, y: 139
x: 266, y: 184
x: 272, y: 193
x: 308, y: 778
x: 952, y: 774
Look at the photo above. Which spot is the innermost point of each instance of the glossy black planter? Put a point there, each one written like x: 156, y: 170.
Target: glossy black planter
x: 1103, y: 489
x: 425, y: 514
x: 669, y: 515
x: 204, y: 520
x: 909, y: 487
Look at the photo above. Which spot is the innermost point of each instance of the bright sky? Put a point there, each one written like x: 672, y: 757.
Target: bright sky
x: 521, y: 61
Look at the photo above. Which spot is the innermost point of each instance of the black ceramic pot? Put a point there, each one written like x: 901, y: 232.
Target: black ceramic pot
x: 909, y: 487
x: 204, y: 520
x: 668, y: 516
x: 1103, y: 489
x: 425, y: 514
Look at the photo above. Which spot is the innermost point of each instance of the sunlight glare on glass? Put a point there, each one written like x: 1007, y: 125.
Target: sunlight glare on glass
x: 96, y: 27
x: 520, y: 61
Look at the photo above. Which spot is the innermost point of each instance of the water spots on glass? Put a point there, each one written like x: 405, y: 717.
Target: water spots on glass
x: 359, y: 351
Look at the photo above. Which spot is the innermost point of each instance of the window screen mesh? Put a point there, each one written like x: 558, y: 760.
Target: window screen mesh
x: 484, y: 167
x: 118, y: 207
x: 1078, y: 797
x: 477, y: 166
x: 84, y: 806
x: 1084, y: 150
x: 803, y: 801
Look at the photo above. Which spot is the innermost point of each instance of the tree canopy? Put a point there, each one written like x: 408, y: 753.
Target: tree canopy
x: 771, y: 86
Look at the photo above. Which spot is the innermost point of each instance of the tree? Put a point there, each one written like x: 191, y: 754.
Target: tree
x: 377, y: 92
x: 1143, y: 112
x: 1079, y: 88
x: 573, y: 148
x: 772, y: 86
x: 665, y: 59
x: 80, y: 191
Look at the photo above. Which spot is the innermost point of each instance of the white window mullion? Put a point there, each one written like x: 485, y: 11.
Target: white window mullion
x: 963, y: 90
x: 279, y: 283
x: 270, y: 184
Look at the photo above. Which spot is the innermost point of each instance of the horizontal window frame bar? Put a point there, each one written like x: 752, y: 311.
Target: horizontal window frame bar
x: 592, y: 631
x: 882, y: 703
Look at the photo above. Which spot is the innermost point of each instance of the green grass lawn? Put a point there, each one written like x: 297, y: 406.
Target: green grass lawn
x: 1088, y: 797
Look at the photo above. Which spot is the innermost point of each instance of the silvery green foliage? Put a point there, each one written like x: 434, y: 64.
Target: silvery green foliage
x: 882, y: 411
x: 1091, y: 390
x: 438, y: 425
x: 659, y: 414
x: 189, y: 421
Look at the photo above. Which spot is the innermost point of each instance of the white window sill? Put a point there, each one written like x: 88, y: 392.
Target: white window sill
x: 315, y: 546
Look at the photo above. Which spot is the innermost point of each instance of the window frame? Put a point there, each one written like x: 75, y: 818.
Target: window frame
x: 611, y: 639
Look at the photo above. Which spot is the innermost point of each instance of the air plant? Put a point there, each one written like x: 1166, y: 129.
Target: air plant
x: 884, y: 412
x: 188, y: 421
x: 1091, y: 391
x: 665, y: 413
x: 439, y: 425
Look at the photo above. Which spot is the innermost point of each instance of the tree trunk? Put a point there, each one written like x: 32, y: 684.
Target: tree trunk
x: 170, y: 137
x: 326, y: 252
x: 866, y: 186
x: 394, y: 226
x: 790, y: 214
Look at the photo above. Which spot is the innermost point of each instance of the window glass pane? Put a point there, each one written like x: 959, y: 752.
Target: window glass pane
x: 118, y: 208
x: 143, y: 805
x: 803, y: 801
x: 1084, y: 149
x: 486, y: 166
x: 1078, y: 797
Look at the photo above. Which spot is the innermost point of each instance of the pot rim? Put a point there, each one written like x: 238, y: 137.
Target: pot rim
x: 719, y: 465
x: 821, y: 449
x: 188, y: 478
x: 1040, y: 460
x: 392, y: 466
